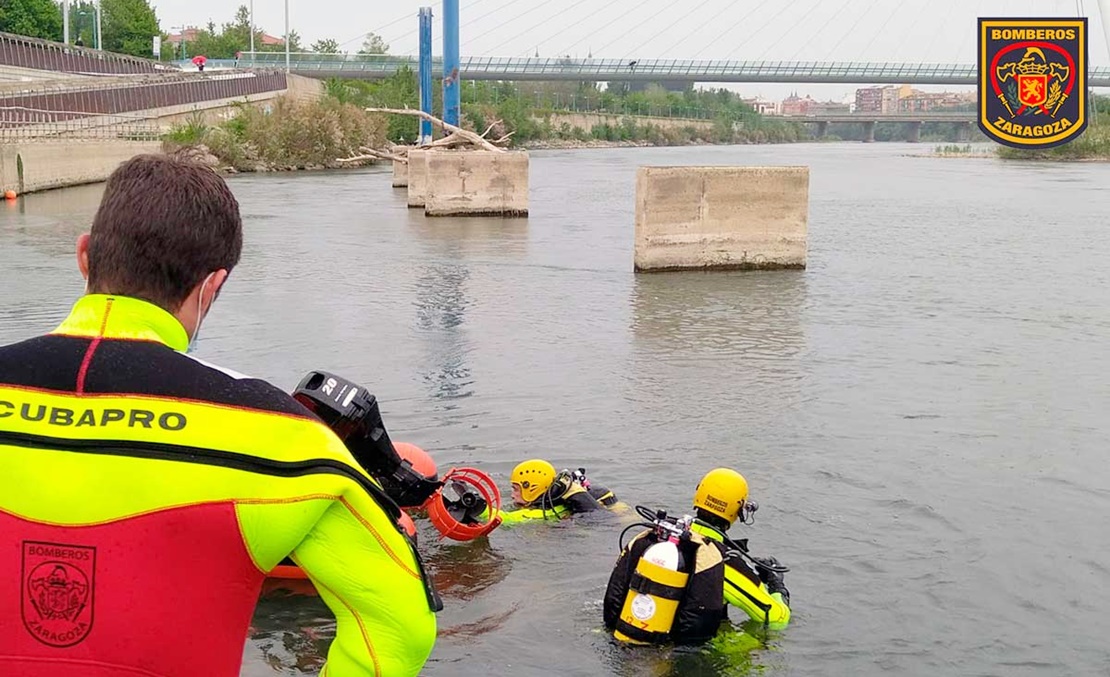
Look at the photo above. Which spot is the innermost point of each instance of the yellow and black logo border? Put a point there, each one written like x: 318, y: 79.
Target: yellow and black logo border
x: 985, y: 80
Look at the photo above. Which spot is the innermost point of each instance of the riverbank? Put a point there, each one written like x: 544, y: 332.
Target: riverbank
x: 1092, y: 146
x: 290, y: 135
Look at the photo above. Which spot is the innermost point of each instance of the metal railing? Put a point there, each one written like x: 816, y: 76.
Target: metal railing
x: 23, y: 52
x: 23, y: 124
x: 51, y: 103
x: 492, y: 68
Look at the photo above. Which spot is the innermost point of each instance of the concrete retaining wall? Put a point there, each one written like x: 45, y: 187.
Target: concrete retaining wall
x: 55, y: 164
x: 587, y: 121
x: 418, y: 177
x: 465, y: 183
x: 721, y: 218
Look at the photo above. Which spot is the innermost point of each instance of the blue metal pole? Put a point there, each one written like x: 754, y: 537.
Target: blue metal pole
x: 425, y: 73
x: 451, y: 91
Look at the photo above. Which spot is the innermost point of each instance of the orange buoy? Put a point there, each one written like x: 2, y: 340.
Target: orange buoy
x: 9, y: 195
x: 407, y: 524
x: 421, y: 461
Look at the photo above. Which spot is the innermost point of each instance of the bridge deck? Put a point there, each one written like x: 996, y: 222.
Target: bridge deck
x: 602, y: 70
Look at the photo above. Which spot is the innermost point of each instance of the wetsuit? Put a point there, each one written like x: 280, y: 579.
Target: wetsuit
x: 574, y: 500
x: 145, y: 495
x: 603, y: 495
x: 745, y: 590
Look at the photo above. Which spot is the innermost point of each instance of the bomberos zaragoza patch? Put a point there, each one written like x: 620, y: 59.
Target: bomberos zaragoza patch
x: 1033, y: 80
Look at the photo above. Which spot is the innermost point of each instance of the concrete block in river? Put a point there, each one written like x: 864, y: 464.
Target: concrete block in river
x: 480, y: 182
x: 418, y: 177
x: 721, y: 218
x: 400, y: 174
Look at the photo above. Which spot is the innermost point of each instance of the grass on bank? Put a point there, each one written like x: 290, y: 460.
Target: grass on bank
x: 1093, y: 144
x: 290, y: 134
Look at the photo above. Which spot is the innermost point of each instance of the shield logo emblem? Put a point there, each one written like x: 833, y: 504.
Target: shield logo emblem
x: 58, y: 585
x: 1032, y: 80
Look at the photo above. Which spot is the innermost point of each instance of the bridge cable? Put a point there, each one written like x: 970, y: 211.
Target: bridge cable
x: 937, y: 34
x: 537, y: 5
x: 406, y: 17
x: 711, y: 19
x: 601, y: 26
x: 925, y: 6
x: 790, y: 26
x: 559, y: 11
x: 669, y: 26
x: 862, y: 15
x: 437, y: 20
x: 377, y: 30
x: 879, y: 31
x: 968, y: 34
x: 824, y: 24
x: 785, y: 6
x: 581, y: 21
x: 633, y: 29
x: 728, y: 30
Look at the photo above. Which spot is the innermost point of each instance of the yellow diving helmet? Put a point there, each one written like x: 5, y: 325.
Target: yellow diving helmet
x: 722, y: 492
x: 534, y: 478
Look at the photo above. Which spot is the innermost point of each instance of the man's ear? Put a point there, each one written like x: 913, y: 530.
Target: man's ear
x: 213, y: 288
x: 83, y: 254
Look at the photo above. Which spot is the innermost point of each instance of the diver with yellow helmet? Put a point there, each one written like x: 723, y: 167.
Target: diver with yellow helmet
x: 674, y: 580
x: 540, y: 492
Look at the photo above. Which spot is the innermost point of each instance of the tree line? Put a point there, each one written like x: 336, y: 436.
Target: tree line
x: 130, y: 25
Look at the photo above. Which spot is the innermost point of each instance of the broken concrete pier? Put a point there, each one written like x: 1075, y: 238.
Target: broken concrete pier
x: 721, y: 218
x: 418, y: 177
x: 475, y: 183
x: 400, y: 174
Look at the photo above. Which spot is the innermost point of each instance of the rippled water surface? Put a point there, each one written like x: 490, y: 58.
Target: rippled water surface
x: 918, y: 413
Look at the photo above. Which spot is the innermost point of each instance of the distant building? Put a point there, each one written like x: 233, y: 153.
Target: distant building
x: 191, y: 34
x: 795, y: 105
x: 763, y: 106
x: 881, y: 100
x: 830, y: 108
x: 924, y: 102
x: 869, y: 100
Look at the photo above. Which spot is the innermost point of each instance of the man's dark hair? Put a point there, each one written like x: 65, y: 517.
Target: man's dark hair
x: 164, y: 223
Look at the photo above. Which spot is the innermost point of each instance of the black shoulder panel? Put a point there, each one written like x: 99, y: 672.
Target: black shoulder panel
x: 49, y: 362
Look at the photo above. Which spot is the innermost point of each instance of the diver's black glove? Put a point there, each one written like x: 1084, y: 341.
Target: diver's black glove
x: 766, y: 566
x: 407, y: 487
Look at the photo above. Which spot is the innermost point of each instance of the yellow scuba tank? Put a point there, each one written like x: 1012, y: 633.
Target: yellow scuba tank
x: 655, y: 589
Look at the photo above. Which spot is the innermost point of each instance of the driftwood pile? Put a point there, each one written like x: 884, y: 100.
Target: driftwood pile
x: 456, y: 137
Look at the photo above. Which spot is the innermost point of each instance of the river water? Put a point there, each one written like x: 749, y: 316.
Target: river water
x: 920, y: 413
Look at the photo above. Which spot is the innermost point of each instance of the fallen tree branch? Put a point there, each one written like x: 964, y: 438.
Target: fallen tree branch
x: 371, y: 154
x: 468, y: 135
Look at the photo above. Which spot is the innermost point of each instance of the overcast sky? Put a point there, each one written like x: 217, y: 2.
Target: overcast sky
x: 833, y: 30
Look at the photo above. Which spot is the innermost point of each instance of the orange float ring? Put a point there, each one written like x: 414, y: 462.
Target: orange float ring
x: 447, y: 525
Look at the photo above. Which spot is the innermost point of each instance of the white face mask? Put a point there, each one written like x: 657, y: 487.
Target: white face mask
x: 200, y: 304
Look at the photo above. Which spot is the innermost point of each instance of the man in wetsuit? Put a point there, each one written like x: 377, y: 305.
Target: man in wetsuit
x: 720, y: 500
x: 717, y: 574
x: 541, y: 492
x: 146, y: 493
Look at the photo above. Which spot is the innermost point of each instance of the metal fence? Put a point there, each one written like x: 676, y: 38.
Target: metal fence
x: 46, y: 124
x: 46, y: 103
x: 24, y: 52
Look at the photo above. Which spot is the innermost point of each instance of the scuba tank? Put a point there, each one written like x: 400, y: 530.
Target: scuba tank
x: 657, y: 586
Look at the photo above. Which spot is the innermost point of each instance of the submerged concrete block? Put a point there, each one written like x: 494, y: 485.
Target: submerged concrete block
x: 721, y: 218
x: 418, y: 177
x: 400, y: 174
x: 465, y: 183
